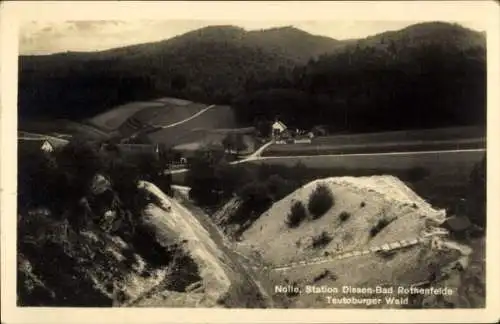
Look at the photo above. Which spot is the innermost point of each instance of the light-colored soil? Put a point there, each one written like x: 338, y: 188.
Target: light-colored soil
x: 197, y: 241
x: 384, y: 197
x: 382, y: 200
x: 408, y: 266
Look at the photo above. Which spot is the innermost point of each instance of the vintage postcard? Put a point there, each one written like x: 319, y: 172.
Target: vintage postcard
x: 294, y: 161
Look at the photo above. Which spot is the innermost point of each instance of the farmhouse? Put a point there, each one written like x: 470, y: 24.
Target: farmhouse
x: 277, y: 128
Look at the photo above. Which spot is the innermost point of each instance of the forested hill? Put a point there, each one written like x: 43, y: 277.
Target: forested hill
x: 208, y: 65
x: 426, y: 75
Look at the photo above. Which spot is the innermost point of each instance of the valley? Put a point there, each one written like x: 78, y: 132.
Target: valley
x: 227, y: 168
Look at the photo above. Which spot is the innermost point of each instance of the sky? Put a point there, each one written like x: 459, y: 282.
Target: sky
x: 37, y: 37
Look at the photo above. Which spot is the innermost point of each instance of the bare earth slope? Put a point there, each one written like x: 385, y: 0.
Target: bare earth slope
x: 384, y: 197
x: 404, y: 252
x: 220, y: 283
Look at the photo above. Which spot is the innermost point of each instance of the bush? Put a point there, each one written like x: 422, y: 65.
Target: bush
x: 322, y: 275
x: 321, y: 240
x: 344, y: 216
x: 320, y: 201
x: 387, y: 255
x: 297, y: 215
x: 362, y: 205
x: 381, y: 224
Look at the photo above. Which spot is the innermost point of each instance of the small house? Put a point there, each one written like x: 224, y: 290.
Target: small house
x: 278, y: 127
x: 47, y: 147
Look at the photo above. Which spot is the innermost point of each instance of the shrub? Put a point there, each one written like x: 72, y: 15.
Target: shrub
x: 381, y: 224
x: 297, y: 215
x: 322, y: 275
x: 320, y: 201
x: 321, y: 240
x: 344, y: 216
x: 363, y: 204
x: 387, y: 255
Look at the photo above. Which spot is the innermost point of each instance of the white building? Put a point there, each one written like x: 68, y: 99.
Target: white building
x: 278, y: 127
x: 47, y: 147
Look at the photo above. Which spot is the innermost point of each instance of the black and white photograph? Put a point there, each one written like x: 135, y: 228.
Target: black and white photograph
x: 256, y: 164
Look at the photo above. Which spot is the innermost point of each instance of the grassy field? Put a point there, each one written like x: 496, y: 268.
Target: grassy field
x: 62, y: 126
x: 217, y: 117
x: 158, y: 116
x: 454, y: 164
x: 200, y: 137
x: 113, y: 118
x: 159, y: 111
x: 414, y: 140
x: 144, y: 118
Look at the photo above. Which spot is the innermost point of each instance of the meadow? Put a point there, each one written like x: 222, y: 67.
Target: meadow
x: 455, y: 138
x: 215, y: 118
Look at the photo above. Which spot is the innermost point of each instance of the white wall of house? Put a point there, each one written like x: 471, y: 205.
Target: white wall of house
x: 47, y: 147
x: 278, y: 127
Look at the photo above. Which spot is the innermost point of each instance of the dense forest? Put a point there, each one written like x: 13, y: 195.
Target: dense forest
x: 426, y: 75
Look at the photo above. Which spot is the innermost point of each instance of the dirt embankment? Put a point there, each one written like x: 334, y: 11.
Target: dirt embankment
x: 366, y: 213
x: 171, y: 220
x: 224, y: 281
x: 99, y: 253
x: 367, y: 200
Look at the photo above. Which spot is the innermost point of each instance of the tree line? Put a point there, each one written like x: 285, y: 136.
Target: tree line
x: 429, y: 75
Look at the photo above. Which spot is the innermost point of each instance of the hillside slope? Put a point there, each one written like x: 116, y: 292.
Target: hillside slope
x: 377, y: 223
x: 424, y: 76
x: 216, y: 117
x: 436, y: 72
x: 90, y: 237
x: 381, y: 197
x: 207, y: 65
